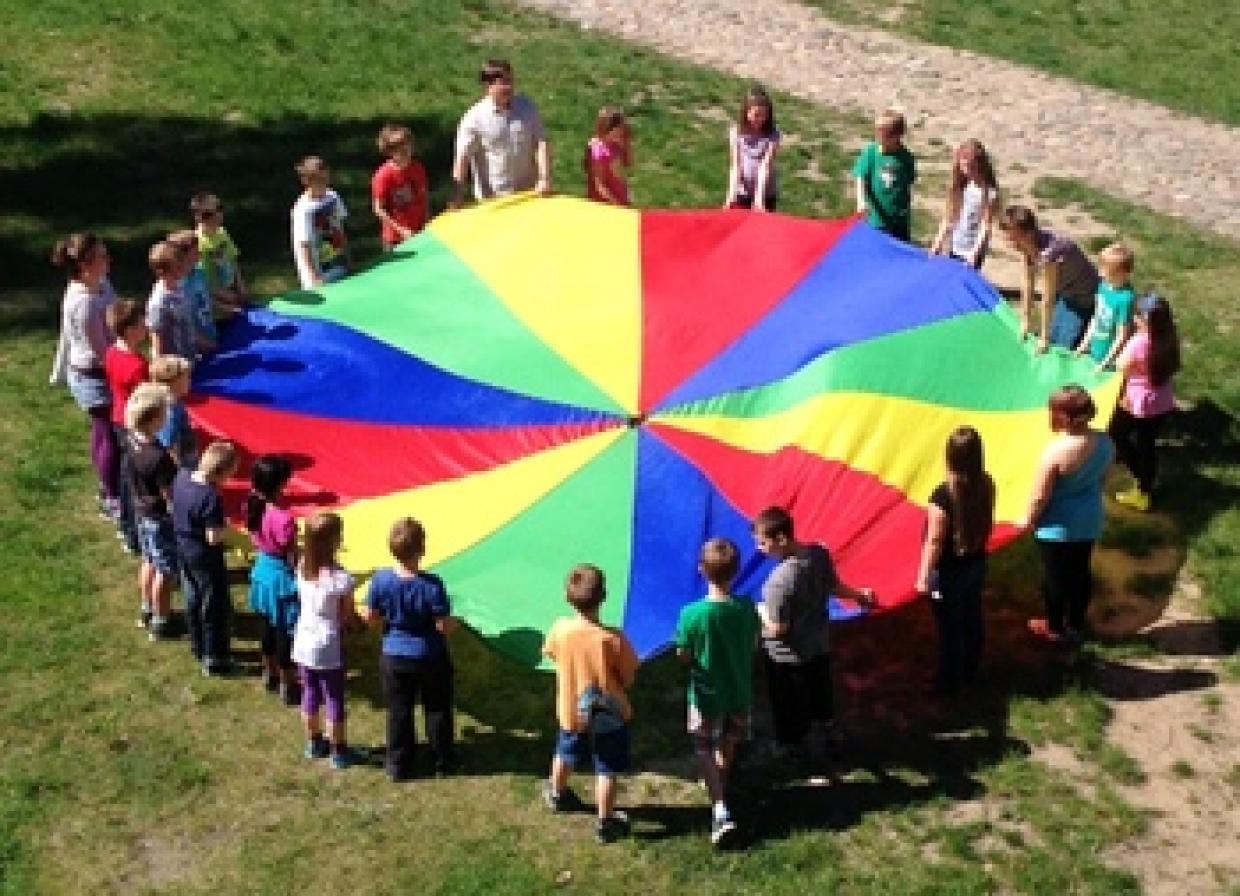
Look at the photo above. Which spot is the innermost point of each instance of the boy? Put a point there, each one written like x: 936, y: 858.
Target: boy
x: 414, y: 609
x: 398, y: 188
x: 794, y: 630
x: 594, y: 665
x: 1111, y: 324
x: 125, y: 368
x: 176, y: 434
x: 885, y: 172
x: 715, y: 637
x: 218, y: 257
x: 320, y: 248
x: 151, y: 472
x: 168, y: 314
x: 198, y: 522
x: 1069, y: 279
x: 194, y: 288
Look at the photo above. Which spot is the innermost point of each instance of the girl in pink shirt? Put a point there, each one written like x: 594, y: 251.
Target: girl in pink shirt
x: 1148, y: 362
x: 610, y: 145
x: 273, y: 586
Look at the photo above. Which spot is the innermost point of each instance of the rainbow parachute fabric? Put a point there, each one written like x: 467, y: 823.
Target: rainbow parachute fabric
x: 544, y: 382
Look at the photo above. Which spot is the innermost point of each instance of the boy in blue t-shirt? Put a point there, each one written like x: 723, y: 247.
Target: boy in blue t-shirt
x: 715, y: 638
x: 1111, y: 324
x: 414, y: 608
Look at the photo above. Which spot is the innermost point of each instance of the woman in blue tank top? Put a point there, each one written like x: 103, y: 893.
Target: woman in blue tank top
x: 1065, y: 511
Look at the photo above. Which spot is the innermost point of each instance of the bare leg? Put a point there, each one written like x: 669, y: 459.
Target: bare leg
x: 338, y: 735
x: 605, y: 795
x: 561, y: 771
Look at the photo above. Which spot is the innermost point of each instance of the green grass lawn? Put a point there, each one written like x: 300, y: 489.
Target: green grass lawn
x: 1179, y: 53
x: 122, y: 771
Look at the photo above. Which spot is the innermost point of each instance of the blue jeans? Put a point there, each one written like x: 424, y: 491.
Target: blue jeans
x: 962, y: 628
x: 125, y: 521
x: 208, y: 608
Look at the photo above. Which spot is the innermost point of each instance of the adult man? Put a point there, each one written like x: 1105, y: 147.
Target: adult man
x: 502, y: 140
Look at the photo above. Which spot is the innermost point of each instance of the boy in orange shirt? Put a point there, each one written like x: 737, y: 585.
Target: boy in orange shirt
x: 594, y: 666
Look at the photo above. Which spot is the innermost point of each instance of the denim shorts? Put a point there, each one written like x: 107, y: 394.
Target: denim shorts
x: 158, y: 542
x: 89, y: 392
x: 610, y: 751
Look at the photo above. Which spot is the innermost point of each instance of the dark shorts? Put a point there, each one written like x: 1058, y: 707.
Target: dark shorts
x: 158, y: 544
x: 747, y: 202
x: 610, y: 751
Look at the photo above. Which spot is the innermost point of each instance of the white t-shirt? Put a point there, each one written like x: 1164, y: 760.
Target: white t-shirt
x: 317, y: 637
x: 318, y: 223
x: 973, y: 202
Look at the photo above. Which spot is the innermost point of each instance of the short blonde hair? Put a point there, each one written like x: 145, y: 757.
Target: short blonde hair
x: 218, y: 458
x: 891, y: 121
x: 164, y: 256
x: 392, y: 136
x: 311, y: 168
x: 147, y: 407
x: 185, y: 240
x: 167, y: 368
x: 1117, y: 256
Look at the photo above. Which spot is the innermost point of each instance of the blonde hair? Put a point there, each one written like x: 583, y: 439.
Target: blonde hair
x: 392, y: 136
x: 185, y: 240
x: 217, y: 459
x: 310, y: 168
x: 167, y: 368
x: 323, y: 533
x: 890, y: 121
x: 147, y: 407
x: 165, y: 256
x: 1118, y: 257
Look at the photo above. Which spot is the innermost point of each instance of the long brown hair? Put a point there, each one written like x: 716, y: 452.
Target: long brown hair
x: 1164, y: 361
x: 323, y: 531
x: 971, y: 488
x: 74, y: 252
x: 985, y: 172
x: 756, y: 96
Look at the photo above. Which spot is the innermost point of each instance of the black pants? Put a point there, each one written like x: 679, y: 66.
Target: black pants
x: 407, y: 682
x: 1134, y: 439
x: 208, y: 608
x: 126, y: 522
x: 958, y: 614
x: 800, y: 694
x: 1067, y: 585
x: 277, y: 642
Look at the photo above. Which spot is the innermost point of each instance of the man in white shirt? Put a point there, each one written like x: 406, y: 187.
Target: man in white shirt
x: 501, y: 139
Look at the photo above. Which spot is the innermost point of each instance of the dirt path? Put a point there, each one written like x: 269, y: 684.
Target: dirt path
x: 1162, y: 159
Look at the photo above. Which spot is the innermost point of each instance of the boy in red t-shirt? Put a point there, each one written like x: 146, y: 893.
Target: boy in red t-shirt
x: 398, y: 187
x: 125, y: 368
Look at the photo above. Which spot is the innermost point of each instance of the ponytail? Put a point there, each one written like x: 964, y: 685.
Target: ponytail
x: 270, y: 474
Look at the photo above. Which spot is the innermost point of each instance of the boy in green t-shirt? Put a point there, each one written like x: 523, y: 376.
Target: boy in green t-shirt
x: 1111, y: 324
x: 715, y: 637
x: 885, y: 171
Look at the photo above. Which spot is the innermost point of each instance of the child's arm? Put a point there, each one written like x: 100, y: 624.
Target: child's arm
x: 1086, y: 337
x: 940, y: 239
x: 316, y: 279
x: 543, y: 158
x: 446, y: 625
x: 1026, y: 297
x: 863, y: 204
x: 598, y: 175
x: 734, y: 171
x: 764, y: 175
x: 1043, y: 483
x: 381, y: 213
x: 983, y: 232
x: 862, y: 596
x: 932, y: 546
x: 1122, y: 332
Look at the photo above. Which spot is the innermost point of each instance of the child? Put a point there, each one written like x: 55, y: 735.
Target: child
x: 273, y: 587
x: 125, y: 368
x: 151, y: 472
x: 198, y: 521
x: 885, y: 172
x: 610, y: 145
x: 1111, y: 324
x: 1069, y: 280
x: 1149, y: 361
x: 218, y: 256
x: 414, y: 609
x: 398, y: 188
x: 197, y: 293
x: 168, y: 314
x: 320, y: 248
x: 752, y: 145
x: 953, y: 558
x: 326, y: 608
x: 794, y: 608
x: 176, y: 435
x: 594, y: 666
x: 964, y: 232
x: 715, y: 637
x: 83, y: 341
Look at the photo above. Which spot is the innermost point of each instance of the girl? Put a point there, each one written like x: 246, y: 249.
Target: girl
x: 1148, y: 361
x: 953, y: 557
x: 971, y: 201
x: 752, y: 144
x: 610, y: 144
x: 273, y: 587
x: 1066, y: 509
x: 84, y: 340
x: 326, y: 608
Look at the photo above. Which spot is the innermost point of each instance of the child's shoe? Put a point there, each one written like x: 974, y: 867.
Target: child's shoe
x: 611, y: 829
x: 317, y: 748
x: 271, y: 683
x: 158, y: 630
x: 346, y: 758
x: 144, y: 619
x: 290, y: 694
x: 722, y: 829
x: 557, y: 802
x: 1134, y: 498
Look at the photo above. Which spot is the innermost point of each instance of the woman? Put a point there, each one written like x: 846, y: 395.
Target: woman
x: 1066, y: 512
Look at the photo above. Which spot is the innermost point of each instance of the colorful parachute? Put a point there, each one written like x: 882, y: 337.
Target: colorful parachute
x: 545, y: 382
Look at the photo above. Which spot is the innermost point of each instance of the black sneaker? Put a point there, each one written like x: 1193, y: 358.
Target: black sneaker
x: 564, y: 801
x: 290, y: 694
x: 317, y: 748
x: 271, y: 684
x: 144, y: 619
x: 722, y: 831
x: 611, y: 829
